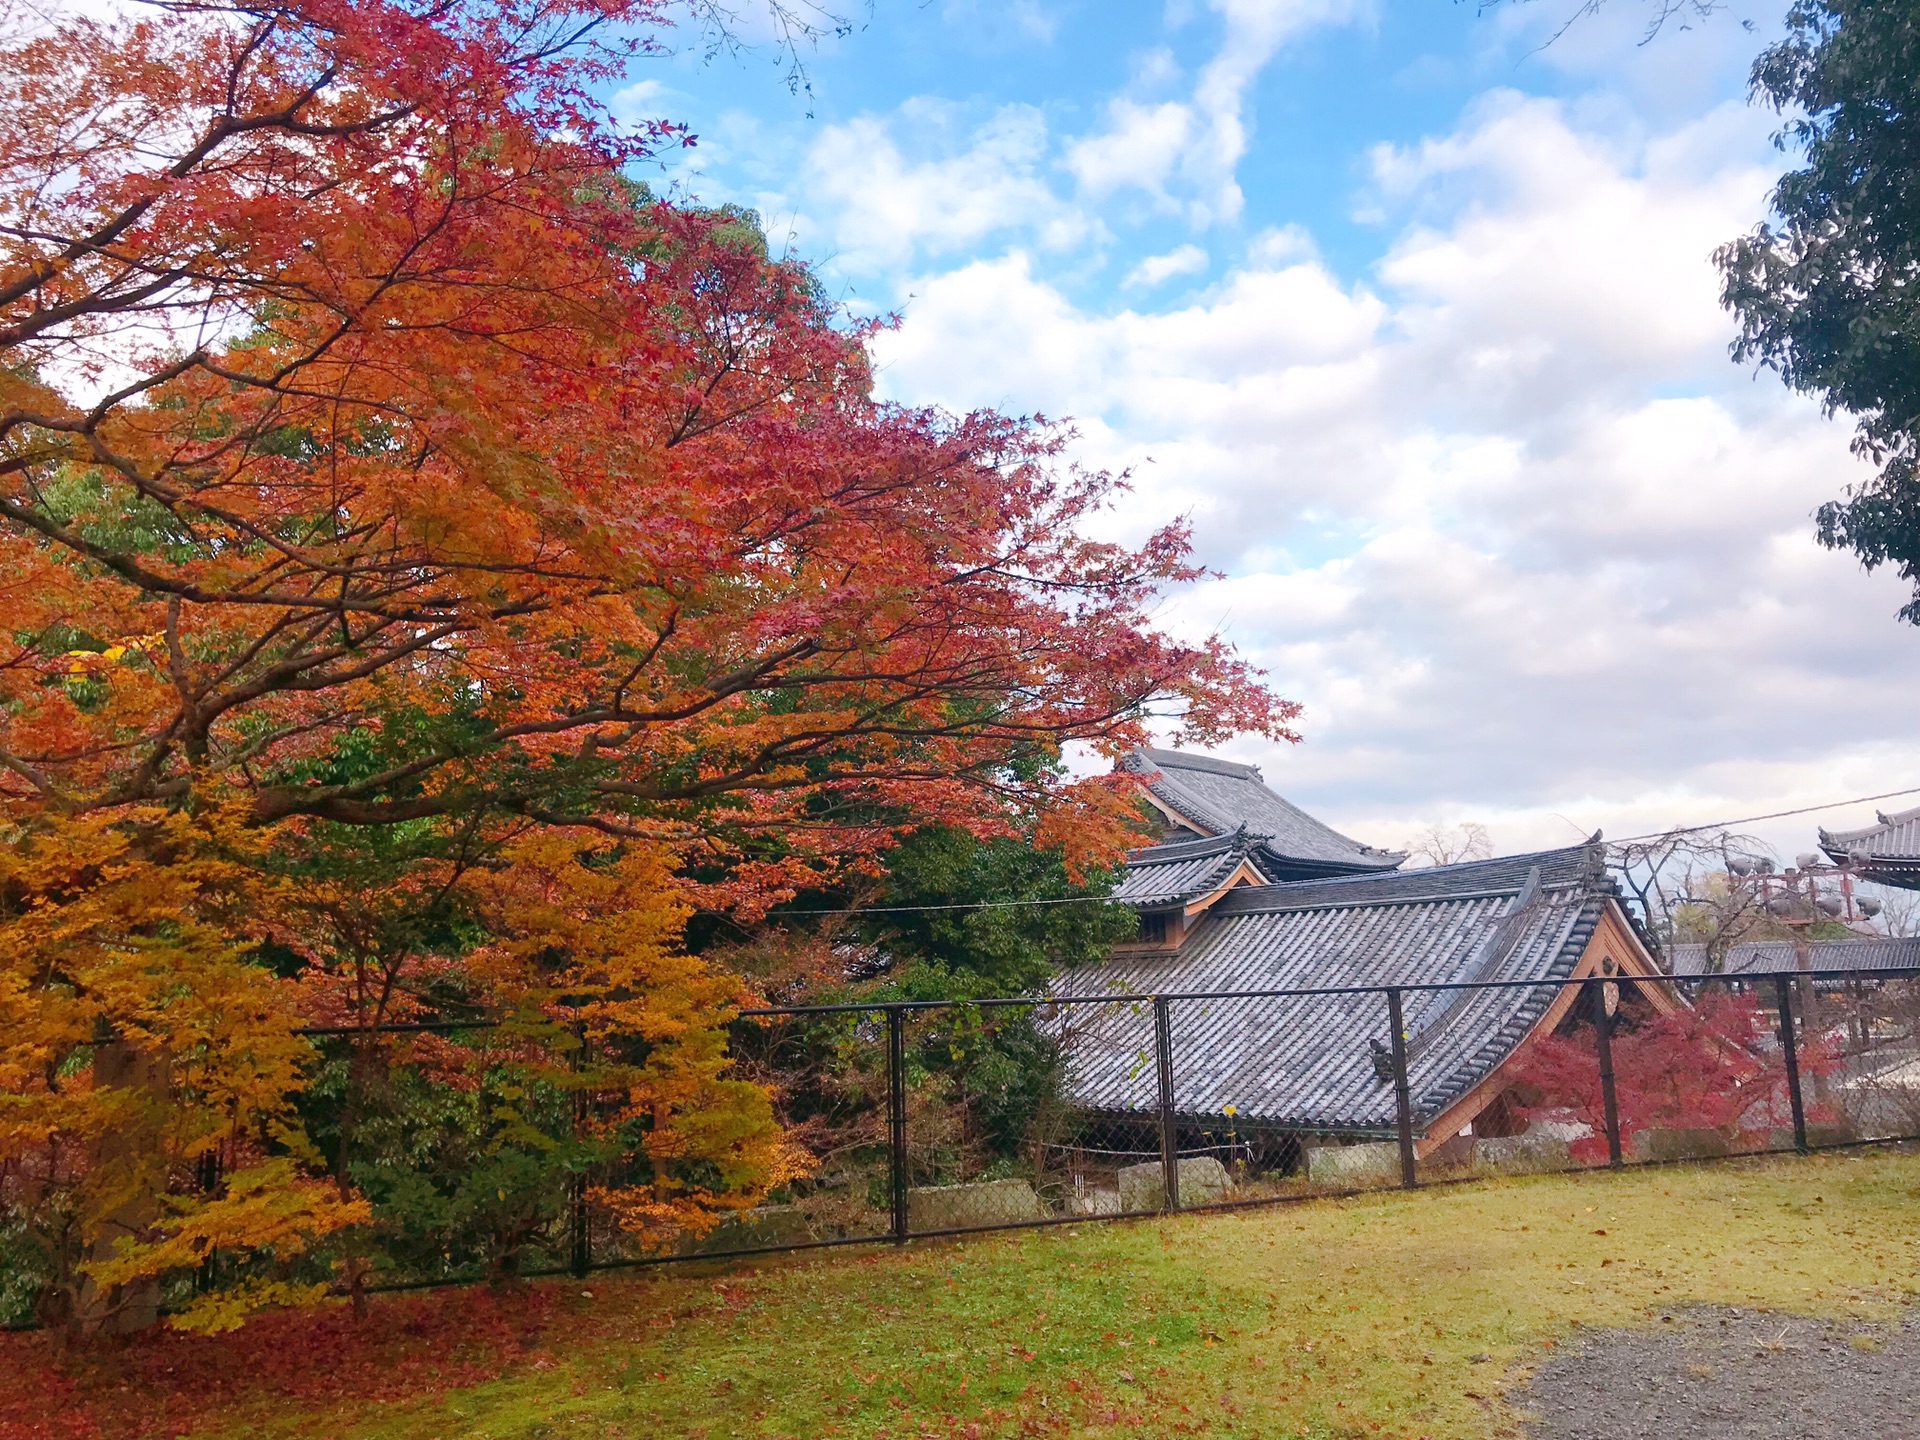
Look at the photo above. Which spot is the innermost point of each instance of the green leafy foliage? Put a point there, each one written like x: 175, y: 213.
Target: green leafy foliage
x: 951, y: 916
x: 25, y: 1270
x: 464, y: 1178
x: 1014, y: 916
x: 1829, y: 293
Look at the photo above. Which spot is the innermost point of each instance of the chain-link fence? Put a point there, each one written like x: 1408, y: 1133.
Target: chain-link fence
x: 939, y: 1118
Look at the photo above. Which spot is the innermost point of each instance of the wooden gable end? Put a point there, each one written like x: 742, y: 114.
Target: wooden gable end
x: 1173, y: 822
x: 1612, y: 952
x: 1175, y: 927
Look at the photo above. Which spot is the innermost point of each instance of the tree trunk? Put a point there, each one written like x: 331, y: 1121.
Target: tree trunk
x: 365, y: 1066
x: 129, y: 1161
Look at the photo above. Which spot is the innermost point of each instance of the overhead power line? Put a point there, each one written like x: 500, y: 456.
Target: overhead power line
x: 964, y: 905
x: 1770, y: 815
x: 1102, y: 899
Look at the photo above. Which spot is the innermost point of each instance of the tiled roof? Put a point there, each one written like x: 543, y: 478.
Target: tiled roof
x: 1774, y: 957
x: 1306, y: 1062
x: 1184, y: 870
x: 1220, y: 796
x: 1577, y: 865
x: 1892, y: 843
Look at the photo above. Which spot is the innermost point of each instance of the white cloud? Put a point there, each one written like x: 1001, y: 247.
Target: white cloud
x: 1660, y: 82
x: 639, y: 101
x: 1184, y: 153
x: 875, y: 206
x: 1254, y: 31
x: 1158, y: 269
x: 1138, y: 149
x: 1529, y: 547
x: 1026, y: 21
x: 933, y: 178
x: 1279, y: 244
x: 1564, y: 268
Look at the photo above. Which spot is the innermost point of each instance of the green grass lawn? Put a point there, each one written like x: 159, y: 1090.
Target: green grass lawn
x: 1393, y: 1315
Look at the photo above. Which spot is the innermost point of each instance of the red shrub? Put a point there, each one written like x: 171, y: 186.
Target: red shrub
x: 1707, y: 1066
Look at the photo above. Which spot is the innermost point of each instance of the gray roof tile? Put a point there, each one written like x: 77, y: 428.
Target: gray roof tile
x: 1305, y: 1062
x: 1220, y: 796
x: 1891, y: 847
x: 1775, y: 957
x: 1162, y: 876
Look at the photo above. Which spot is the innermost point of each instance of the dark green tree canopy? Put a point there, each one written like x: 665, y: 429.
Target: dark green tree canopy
x: 1828, y: 292
x: 1003, y: 916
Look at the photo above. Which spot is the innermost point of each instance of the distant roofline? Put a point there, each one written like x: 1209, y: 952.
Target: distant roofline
x: 1790, y: 946
x: 1748, y: 958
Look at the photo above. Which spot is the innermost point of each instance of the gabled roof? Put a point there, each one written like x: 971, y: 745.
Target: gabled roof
x: 1306, y: 1062
x: 1780, y: 957
x: 1888, y: 851
x: 1163, y: 876
x: 1219, y: 797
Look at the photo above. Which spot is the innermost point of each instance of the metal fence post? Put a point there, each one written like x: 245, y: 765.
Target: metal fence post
x: 1603, y: 1044
x: 897, y: 1118
x: 1783, y: 988
x: 1169, y: 1130
x: 1402, y: 1096
x: 208, y: 1174
x: 580, y: 1236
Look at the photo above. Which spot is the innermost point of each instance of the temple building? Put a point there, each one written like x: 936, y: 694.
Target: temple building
x: 1197, y: 797
x: 1887, y: 853
x: 1223, y: 912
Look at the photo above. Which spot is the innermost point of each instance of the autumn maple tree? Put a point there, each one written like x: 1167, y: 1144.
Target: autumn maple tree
x: 1707, y: 1065
x: 429, y: 566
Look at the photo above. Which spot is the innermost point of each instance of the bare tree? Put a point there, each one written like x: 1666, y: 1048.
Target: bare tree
x: 1680, y: 14
x: 788, y: 30
x: 1450, y: 844
x: 1696, y: 887
x: 1899, y: 909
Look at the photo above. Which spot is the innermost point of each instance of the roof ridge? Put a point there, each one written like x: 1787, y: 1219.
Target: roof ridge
x: 1221, y: 796
x: 1882, y: 820
x: 1585, y: 849
x: 1193, y: 849
x: 1187, y: 760
x: 1571, y: 867
x: 1819, y: 944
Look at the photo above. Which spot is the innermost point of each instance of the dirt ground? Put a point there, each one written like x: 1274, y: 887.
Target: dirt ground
x: 1715, y: 1374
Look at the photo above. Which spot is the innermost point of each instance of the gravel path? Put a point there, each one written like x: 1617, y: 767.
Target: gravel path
x: 1709, y: 1374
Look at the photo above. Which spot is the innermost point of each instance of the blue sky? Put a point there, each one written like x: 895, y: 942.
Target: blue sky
x: 1412, y: 314
x: 1345, y: 80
